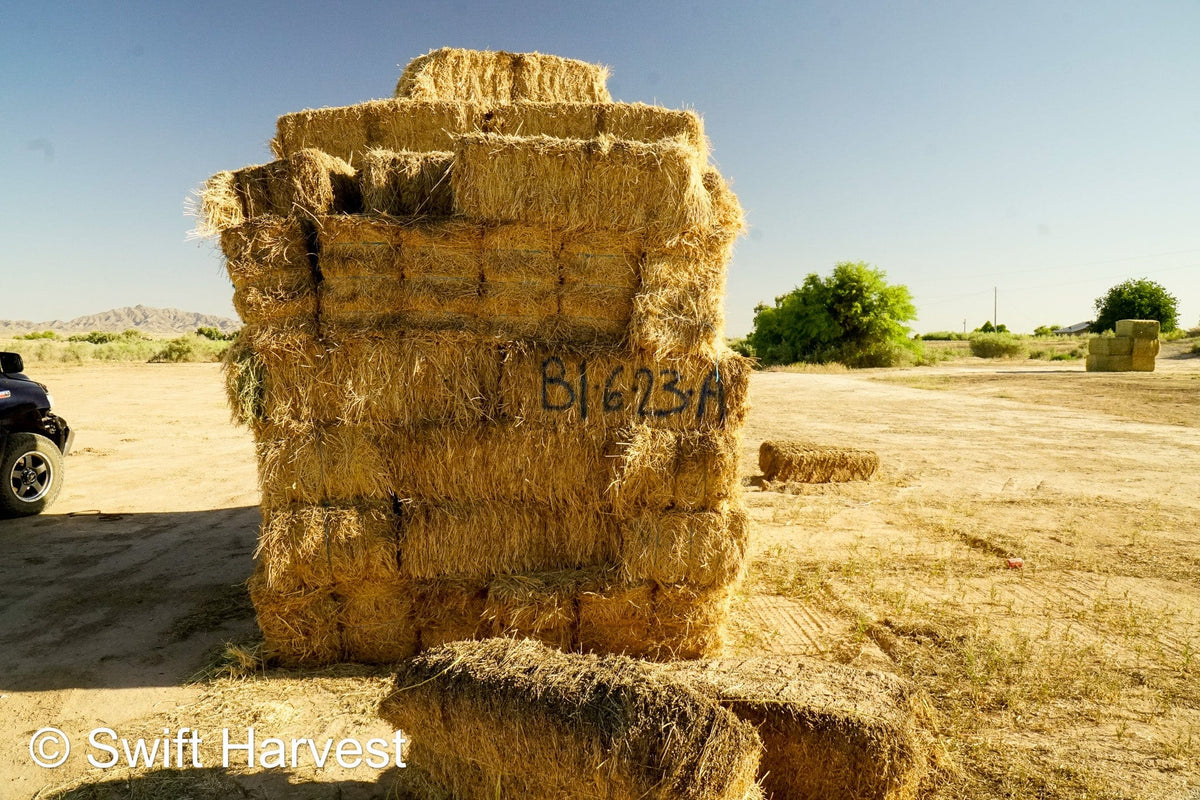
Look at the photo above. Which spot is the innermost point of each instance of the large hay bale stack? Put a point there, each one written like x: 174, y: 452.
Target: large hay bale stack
x: 484, y: 366
x: 828, y: 730
x: 1132, y: 349
x: 509, y: 718
x: 793, y: 461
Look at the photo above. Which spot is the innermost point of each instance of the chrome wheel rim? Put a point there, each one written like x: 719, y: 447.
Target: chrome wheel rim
x: 31, y: 478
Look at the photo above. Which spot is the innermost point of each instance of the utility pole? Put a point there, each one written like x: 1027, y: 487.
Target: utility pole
x: 995, y: 296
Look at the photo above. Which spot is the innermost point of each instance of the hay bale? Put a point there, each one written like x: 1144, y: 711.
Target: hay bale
x: 299, y: 626
x: 673, y: 470
x: 607, y: 388
x: 652, y: 189
x: 270, y: 263
x: 540, y: 606
x: 349, y: 132
x: 361, y: 376
x: 1128, y: 363
x: 515, y: 719
x: 305, y: 184
x: 1144, y: 349
x: 483, y: 539
x: 498, y: 461
x: 652, y: 621
x: 450, y: 610
x: 406, y: 184
x: 700, y: 549
x: 805, y: 462
x: 338, y: 548
x: 376, y: 621
x: 827, y: 730
x: 1138, y: 328
x: 1110, y: 345
x: 313, y: 463
x: 500, y: 77
x: 680, y: 307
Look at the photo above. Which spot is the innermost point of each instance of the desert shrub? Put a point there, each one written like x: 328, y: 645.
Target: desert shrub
x: 996, y: 345
x: 189, y: 348
x: 742, y: 347
x: 181, y: 349
x: 1139, y: 299
x: 1041, y: 353
x: 1196, y: 349
x: 943, y: 336
x: 35, y: 335
x: 853, y: 316
x: 214, y: 334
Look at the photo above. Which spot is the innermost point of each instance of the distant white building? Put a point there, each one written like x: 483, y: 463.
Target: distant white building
x: 1072, y: 330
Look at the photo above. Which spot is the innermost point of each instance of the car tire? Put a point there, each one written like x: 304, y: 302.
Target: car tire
x: 31, y: 475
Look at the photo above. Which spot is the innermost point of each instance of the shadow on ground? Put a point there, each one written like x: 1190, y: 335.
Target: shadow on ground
x: 121, y: 600
x: 213, y: 783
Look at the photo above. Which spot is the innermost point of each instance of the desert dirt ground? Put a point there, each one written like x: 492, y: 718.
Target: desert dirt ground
x: 1074, y: 676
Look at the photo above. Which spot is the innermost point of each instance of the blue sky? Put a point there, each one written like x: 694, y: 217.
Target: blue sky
x: 1045, y: 149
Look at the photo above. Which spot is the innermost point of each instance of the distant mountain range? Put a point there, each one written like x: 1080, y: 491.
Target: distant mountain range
x: 145, y: 319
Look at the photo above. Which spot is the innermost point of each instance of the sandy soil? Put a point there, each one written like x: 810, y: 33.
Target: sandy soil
x: 1074, y: 676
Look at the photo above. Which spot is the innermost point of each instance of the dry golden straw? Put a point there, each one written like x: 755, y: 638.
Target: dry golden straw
x: 475, y: 75
x: 827, y: 730
x: 515, y: 719
x: 788, y: 460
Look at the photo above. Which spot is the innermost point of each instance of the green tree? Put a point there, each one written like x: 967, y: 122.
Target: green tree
x: 1140, y: 299
x: 853, y: 316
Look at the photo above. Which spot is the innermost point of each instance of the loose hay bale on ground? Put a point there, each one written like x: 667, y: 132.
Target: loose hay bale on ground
x: 827, y: 730
x: 789, y: 460
x: 527, y: 721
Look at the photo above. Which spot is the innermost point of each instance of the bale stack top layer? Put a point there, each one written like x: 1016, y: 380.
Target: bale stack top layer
x: 465, y: 75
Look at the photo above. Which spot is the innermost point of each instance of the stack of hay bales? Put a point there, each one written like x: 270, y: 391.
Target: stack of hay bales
x: 795, y: 461
x: 484, y: 366
x: 1133, y: 349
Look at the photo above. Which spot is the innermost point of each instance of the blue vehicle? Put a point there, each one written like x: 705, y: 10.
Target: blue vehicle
x: 33, y: 442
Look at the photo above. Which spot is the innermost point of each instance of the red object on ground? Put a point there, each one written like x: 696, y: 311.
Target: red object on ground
x: 1016, y: 563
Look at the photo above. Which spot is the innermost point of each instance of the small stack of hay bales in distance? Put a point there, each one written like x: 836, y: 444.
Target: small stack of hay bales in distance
x: 793, y: 461
x: 510, y: 718
x: 1133, y: 349
x: 484, y: 366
